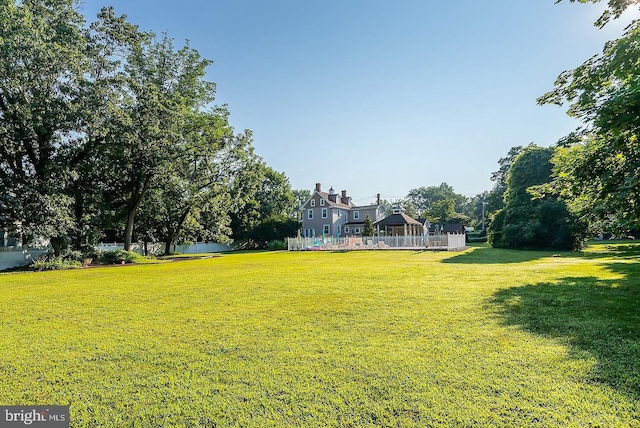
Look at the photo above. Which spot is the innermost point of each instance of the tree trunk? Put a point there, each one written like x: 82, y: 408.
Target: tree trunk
x: 136, y: 200
x: 57, y: 246
x: 128, y: 231
x: 167, y: 246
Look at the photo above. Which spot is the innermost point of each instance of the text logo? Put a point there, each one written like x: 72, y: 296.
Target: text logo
x: 34, y: 416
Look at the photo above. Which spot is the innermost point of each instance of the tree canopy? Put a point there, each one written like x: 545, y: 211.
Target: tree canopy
x: 529, y: 222
x: 105, y: 129
x: 597, y: 166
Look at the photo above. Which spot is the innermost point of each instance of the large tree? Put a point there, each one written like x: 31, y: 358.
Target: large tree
x: 165, y: 87
x: 198, y: 180
x: 265, y: 194
x: 423, y: 198
x: 598, y: 172
x: 42, y: 65
x: 527, y: 221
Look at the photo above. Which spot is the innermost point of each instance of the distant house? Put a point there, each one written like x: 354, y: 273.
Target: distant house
x: 330, y: 214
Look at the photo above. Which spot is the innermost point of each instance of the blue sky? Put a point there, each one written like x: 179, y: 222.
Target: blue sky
x: 382, y: 97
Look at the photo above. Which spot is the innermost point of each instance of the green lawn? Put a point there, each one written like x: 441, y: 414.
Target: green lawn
x: 482, y: 337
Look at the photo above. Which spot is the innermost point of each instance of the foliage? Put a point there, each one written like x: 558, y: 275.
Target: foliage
x: 276, y: 245
x: 424, y: 198
x: 53, y: 262
x: 368, y: 229
x: 496, y: 197
x: 119, y: 257
x: 614, y: 9
x: 597, y: 168
x: 273, y: 228
x: 527, y: 222
x: 300, y: 197
x: 264, y: 193
x: 41, y: 68
x: 495, y: 338
x: 106, y: 129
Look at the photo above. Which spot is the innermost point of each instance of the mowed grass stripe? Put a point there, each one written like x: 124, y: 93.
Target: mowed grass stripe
x: 330, y: 339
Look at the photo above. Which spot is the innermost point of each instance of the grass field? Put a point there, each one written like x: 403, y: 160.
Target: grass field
x: 483, y: 337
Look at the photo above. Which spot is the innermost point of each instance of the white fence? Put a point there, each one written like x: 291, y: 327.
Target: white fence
x: 158, y: 247
x: 449, y: 242
x: 19, y: 257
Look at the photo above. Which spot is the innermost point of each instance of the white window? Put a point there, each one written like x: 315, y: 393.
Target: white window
x: 313, y: 202
x: 310, y: 214
x: 356, y: 215
x: 324, y: 213
x: 339, y: 214
x: 321, y: 202
x: 346, y: 229
x: 357, y: 230
x: 325, y: 229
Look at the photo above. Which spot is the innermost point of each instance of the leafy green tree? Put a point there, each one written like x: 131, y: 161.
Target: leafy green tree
x: 423, y: 198
x: 165, y: 87
x: 300, y: 197
x: 495, y: 198
x: 42, y: 64
x: 276, y: 227
x: 528, y: 222
x: 614, y: 9
x: 597, y: 171
x: 442, y: 210
x: 200, y: 176
x: 264, y: 193
x: 368, y: 229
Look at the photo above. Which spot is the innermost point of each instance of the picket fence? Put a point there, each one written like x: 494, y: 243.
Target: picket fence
x: 448, y: 242
x: 158, y: 247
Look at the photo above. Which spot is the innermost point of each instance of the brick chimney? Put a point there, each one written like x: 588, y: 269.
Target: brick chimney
x: 318, y: 187
x: 378, y: 199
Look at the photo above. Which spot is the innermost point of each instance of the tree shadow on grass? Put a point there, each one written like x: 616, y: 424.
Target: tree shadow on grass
x: 488, y: 255
x: 594, y: 317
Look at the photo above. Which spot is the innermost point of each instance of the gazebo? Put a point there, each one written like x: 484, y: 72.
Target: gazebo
x: 399, y: 224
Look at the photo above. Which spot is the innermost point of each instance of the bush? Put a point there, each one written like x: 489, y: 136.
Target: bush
x: 277, y: 245
x: 50, y: 262
x: 90, y: 252
x: 119, y: 257
x: 72, y: 255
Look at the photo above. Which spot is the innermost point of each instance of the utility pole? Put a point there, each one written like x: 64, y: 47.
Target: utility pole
x: 484, y: 202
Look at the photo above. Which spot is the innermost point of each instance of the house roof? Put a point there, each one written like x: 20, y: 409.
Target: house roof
x: 453, y: 227
x: 337, y: 204
x: 397, y: 220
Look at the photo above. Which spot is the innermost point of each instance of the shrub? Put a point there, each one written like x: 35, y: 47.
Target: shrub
x: 277, y: 245
x: 119, y: 256
x: 73, y: 255
x: 90, y: 252
x: 50, y: 262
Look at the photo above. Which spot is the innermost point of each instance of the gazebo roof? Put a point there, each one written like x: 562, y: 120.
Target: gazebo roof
x: 397, y: 220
